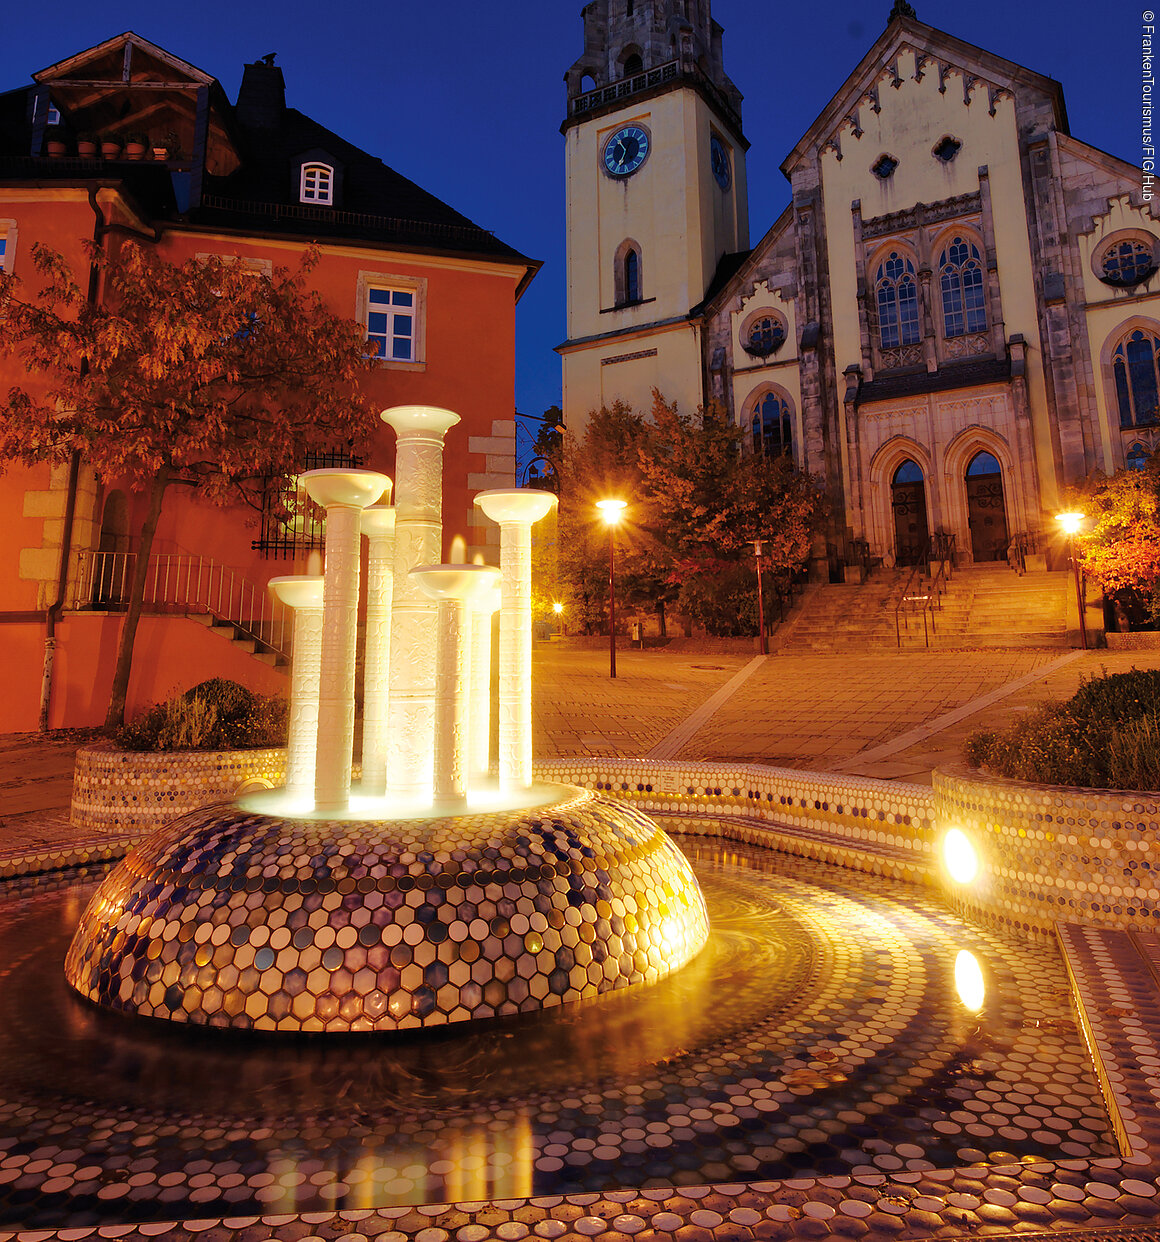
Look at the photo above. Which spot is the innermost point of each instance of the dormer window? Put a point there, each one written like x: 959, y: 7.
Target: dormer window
x: 317, y: 185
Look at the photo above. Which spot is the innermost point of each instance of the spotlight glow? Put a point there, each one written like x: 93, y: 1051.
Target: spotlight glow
x: 969, y: 981
x: 959, y: 857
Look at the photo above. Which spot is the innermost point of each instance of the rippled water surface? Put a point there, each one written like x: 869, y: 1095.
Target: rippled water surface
x: 820, y: 1031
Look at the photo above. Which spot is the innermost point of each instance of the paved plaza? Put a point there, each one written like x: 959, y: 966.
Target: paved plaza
x: 890, y: 716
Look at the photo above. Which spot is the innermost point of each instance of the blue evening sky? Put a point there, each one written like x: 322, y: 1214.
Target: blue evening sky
x: 466, y: 98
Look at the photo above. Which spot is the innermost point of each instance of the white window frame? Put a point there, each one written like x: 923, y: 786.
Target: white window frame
x: 417, y: 287
x: 316, y: 184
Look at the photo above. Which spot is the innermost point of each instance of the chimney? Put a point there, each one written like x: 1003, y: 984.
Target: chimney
x: 262, y: 96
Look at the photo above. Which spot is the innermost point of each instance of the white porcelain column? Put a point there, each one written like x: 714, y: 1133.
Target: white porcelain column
x: 378, y: 524
x: 418, y: 541
x: 303, y: 593
x: 454, y: 587
x: 516, y: 511
x: 479, y: 695
x: 344, y: 494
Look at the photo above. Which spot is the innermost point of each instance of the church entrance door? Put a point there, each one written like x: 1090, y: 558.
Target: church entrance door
x: 908, y: 500
x: 986, y: 512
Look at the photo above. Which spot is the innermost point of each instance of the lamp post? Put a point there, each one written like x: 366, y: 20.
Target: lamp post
x: 1071, y: 523
x: 611, y: 511
x: 558, y: 610
x: 760, y: 602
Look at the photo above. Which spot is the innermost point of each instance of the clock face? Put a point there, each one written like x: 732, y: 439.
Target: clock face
x: 626, y: 150
x: 719, y: 158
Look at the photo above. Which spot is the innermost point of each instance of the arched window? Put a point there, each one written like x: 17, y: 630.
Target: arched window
x: 982, y: 463
x: 317, y: 184
x: 772, y: 426
x: 960, y: 273
x: 1137, y: 382
x: 896, y: 292
x: 908, y: 472
x: 633, y: 65
x: 627, y: 274
x: 1137, y: 456
x: 632, y: 277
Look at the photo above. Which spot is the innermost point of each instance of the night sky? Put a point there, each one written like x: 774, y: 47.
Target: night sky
x: 466, y: 98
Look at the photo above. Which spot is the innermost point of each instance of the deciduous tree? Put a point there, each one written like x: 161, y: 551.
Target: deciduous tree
x: 204, y: 373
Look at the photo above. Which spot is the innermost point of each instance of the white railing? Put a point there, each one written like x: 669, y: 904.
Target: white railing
x: 184, y: 583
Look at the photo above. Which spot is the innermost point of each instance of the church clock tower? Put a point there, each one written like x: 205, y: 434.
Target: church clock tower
x: 656, y: 196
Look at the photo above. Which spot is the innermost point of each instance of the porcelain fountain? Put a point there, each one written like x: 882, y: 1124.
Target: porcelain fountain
x: 437, y: 891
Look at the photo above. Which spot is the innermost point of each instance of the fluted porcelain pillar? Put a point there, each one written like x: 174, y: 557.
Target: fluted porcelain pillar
x: 479, y: 693
x: 418, y: 541
x: 303, y: 593
x: 516, y: 511
x: 344, y: 494
x: 454, y: 587
x: 378, y: 524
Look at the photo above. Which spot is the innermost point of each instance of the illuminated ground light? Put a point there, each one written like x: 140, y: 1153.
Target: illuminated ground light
x: 969, y: 981
x: 959, y: 857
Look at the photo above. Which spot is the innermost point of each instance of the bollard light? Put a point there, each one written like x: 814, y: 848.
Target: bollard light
x: 959, y: 856
x: 611, y: 511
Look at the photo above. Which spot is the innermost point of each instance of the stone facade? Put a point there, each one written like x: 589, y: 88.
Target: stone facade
x: 931, y: 326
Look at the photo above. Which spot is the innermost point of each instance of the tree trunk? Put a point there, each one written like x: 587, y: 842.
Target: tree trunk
x: 116, y: 712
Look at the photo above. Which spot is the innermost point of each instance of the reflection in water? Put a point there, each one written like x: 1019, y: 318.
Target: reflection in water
x: 819, y: 1028
x: 969, y: 980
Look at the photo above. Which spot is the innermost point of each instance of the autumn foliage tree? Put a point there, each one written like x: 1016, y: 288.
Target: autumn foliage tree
x: 1121, y: 547
x: 698, y: 498
x: 205, y: 374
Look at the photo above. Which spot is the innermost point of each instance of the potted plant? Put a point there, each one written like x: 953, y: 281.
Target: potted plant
x: 136, y: 144
x: 54, y: 142
x: 111, y: 146
x: 86, y: 145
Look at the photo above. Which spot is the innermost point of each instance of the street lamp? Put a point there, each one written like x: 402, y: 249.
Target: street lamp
x: 558, y: 609
x: 1071, y: 523
x: 760, y: 603
x: 611, y: 511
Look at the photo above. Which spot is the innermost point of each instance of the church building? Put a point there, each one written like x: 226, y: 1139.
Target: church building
x: 956, y: 315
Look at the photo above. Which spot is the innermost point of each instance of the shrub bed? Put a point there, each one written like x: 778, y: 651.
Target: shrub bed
x: 1106, y: 736
x: 215, y: 715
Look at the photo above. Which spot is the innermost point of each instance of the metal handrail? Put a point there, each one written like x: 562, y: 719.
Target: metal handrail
x: 185, y: 583
x: 939, y: 547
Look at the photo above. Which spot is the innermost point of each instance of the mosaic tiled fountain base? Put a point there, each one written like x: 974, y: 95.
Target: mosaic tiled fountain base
x: 819, y: 1034
x: 231, y: 919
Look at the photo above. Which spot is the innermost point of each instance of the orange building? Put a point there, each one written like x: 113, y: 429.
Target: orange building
x: 126, y: 140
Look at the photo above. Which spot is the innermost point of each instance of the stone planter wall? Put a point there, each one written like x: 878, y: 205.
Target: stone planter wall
x: 136, y: 791
x: 1139, y: 640
x: 1053, y: 854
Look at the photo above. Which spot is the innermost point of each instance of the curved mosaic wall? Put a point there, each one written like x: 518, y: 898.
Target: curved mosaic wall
x: 226, y: 918
x: 1051, y: 854
x: 128, y: 790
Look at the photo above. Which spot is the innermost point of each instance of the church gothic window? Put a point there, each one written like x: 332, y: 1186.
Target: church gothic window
x: 1127, y: 263
x: 763, y: 336
x: 961, y: 284
x: 884, y: 166
x: 896, y: 295
x: 772, y: 426
x: 1134, y: 369
x: 1137, y: 457
x: 946, y: 149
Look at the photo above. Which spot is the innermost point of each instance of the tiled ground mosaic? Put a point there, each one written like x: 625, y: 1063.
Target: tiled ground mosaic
x: 819, y: 1035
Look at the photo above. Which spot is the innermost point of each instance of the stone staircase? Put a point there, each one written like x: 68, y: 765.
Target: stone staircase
x: 984, y: 606
x: 240, y: 639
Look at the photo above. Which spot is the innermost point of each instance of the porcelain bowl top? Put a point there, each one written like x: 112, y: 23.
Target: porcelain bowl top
x: 298, y: 590
x: 463, y: 582
x: 353, y: 488
x: 517, y: 504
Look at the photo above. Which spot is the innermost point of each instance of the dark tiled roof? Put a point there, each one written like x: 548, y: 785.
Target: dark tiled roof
x: 726, y: 270
x: 376, y: 203
x: 960, y: 375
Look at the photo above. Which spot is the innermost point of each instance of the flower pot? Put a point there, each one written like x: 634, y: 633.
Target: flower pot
x: 135, y: 150
x: 160, y: 154
x: 86, y: 148
x: 110, y: 150
x: 56, y: 149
